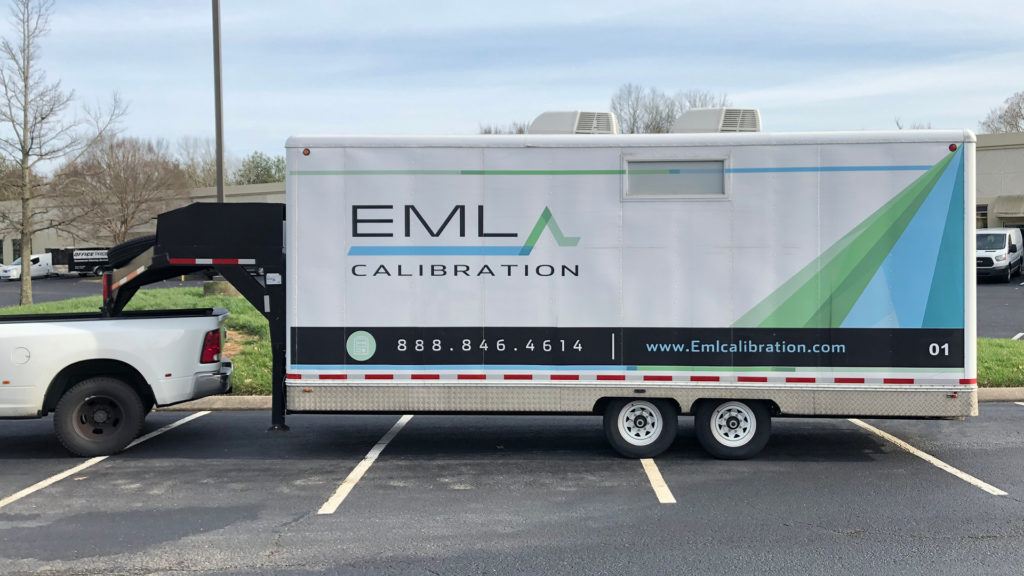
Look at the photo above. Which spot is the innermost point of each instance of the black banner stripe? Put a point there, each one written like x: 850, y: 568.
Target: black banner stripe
x: 548, y: 346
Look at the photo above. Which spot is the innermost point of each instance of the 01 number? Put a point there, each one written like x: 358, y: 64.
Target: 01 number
x: 936, y: 349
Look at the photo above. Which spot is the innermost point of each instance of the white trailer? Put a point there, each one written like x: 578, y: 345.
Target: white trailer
x: 734, y: 277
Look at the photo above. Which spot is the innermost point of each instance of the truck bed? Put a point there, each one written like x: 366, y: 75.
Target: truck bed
x: 127, y: 315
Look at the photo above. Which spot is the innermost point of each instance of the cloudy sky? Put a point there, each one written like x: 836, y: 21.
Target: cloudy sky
x: 444, y: 67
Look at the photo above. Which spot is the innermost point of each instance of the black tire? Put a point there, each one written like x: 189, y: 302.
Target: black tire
x: 1009, y: 274
x: 749, y: 420
x: 656, y: 432
x: 98, y: 416
x: 123, y: 253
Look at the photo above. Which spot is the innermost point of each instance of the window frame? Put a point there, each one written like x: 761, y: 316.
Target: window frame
x: 676, y: 155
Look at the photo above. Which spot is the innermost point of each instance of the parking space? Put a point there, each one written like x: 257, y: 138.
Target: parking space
x: 991, y: 447
x: 508, y: 494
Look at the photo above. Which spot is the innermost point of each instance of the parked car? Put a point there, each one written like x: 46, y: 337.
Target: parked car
x: 42, y: 266
x: 999, y: 253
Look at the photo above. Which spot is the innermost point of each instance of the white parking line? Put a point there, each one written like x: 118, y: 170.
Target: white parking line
x: 356, y: 474
x: 1017, y: 337
x: 931, y: 459
x: 93, y: 461
x: 661, y: 489
x: 1019, y: 403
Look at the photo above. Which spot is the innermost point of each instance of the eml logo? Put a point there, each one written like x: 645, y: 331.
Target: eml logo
x: 367, y: 223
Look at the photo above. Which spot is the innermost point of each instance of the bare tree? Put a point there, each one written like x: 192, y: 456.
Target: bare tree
x: 198, y: 159
x: 628, y: 106
x: 1009, y: 117
x: 913, y: 125
x: 34, y: 127
x: 687, y: 99
x: 121, y: 184
x: 646, y: 111
x: 9, y: 189
x: 659, y: 112
x: 512, y: 128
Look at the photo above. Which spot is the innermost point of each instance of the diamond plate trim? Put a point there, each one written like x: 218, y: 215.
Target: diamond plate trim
x: 795, y: 401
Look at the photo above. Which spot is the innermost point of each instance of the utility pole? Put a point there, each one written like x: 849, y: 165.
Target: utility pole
x: 218, y: 112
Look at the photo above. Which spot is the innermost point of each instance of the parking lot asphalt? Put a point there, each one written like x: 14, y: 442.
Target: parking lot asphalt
x: 515, y: 495
x: 64, y: 287
x: 1001, y: 308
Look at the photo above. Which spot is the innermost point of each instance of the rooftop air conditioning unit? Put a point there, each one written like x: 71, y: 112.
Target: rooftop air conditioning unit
x: 574, y: 122
x: 718, y: 120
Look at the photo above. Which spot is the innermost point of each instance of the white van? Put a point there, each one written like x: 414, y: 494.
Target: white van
x: 998, y: 251
x: 42, y: 265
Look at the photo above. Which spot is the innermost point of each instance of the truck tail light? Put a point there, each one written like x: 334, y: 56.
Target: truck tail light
x: 211, y: 348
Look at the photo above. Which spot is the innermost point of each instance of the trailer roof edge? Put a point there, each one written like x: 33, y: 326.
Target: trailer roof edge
x: 631, y: 140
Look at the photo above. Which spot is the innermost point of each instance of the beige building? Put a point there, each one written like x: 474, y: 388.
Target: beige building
x: 1000, y: 170
x: 1000, y: 166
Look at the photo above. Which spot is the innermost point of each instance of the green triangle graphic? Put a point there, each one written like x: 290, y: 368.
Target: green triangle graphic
x: 822, y: 293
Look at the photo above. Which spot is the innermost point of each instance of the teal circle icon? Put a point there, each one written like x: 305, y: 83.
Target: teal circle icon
x: 361, y: 345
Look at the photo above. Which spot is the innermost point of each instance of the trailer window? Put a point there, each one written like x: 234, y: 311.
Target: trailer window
x: 675, y: 178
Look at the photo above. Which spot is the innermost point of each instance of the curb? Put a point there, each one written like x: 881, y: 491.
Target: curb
x: 1000, y: 394
x: 263, y: 402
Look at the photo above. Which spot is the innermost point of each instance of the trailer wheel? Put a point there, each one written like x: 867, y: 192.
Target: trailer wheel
x: 98, y: 416
x: 732, y: 429
x: 640, y: 428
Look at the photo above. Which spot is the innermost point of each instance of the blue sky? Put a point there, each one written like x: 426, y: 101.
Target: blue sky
x: 444, y: 67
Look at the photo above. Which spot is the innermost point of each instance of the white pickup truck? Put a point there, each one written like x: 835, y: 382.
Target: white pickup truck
x: 100, y: 376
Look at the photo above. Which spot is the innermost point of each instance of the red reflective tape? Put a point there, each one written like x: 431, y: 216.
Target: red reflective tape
x: 800, y: 380
x: 898, y: 380
x: 181, y: 261
x: 292, y: 376
x: 657, y: 378
x: 752, y: 379
x: 379, y: 376
x: 611, y: 376
x: 565, y: 377
x: 224, y: 260
x: 704, y: 378
x: 472, y: 376
x: 426, y: 376
x: 518, y: 376
x: 848, y: 380
x: 334, y: 376
x: 968, y: 380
